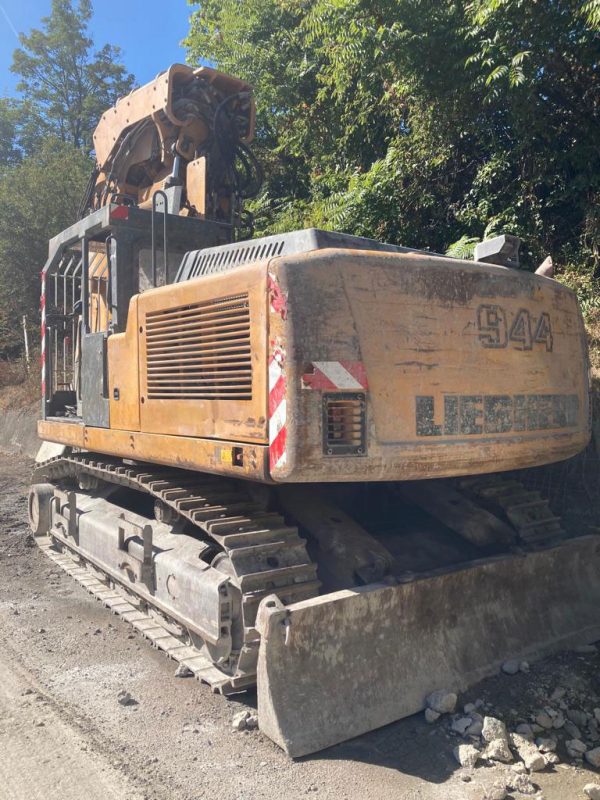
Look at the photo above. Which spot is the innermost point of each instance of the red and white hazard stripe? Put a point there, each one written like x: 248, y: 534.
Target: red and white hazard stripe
x: 277, y: 410
x: 327, y: 375
x: 43, y: 332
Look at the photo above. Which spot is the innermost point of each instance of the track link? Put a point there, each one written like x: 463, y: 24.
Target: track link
x: 528, y: 512
x: 264, y: 555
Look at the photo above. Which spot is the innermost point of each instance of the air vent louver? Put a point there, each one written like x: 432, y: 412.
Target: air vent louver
x: 344, y: 424
x: 208, y: 262
x: 200, y: 351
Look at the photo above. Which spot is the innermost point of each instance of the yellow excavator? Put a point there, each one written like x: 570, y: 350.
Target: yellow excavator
x: 290, y: 461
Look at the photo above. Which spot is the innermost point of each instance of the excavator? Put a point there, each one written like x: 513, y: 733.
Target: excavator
x: 293, y: 462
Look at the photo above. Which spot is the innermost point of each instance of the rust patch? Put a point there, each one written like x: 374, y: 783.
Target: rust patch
x: 277, y: 298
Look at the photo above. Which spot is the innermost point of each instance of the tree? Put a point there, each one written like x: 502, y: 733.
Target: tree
x: 39, y: 197
x: 65, y: 84
x: 45, y: 142
x: 422, y: 122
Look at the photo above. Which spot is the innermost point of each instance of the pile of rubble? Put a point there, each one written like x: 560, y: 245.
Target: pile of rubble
x: 557, y: 730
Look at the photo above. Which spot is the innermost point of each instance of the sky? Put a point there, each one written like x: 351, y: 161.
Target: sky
x: 149, y: 33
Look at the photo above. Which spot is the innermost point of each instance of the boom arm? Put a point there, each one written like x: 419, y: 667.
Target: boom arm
x: 187, y: 131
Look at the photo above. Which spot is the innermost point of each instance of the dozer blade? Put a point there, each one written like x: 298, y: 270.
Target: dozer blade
x: 342, y: 664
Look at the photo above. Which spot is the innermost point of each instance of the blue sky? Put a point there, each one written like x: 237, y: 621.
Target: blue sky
x: 148, y: 31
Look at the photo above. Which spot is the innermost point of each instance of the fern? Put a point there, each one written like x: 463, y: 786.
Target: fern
x: 463, y: 248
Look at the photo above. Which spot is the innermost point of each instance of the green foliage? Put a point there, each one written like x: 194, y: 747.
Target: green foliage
x: 39, y: 198
x: 422, y: 122
x: 45, y: 141
x: 587, y: 288
x: 65, y: 83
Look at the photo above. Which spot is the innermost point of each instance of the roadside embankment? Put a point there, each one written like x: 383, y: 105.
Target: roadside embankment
x: 18, y: 430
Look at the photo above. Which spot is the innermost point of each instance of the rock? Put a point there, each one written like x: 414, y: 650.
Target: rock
x: 592, y: 790
x: 498, y: 750
x: 528, y: 753
x: 442, y: 701
x: 510, y: 667
x: 461, y: 725
x: 252, y: 722
x: 494, y: 729
x: 524, y: 729
x: 580, y: 718
x: 522, y: 784
x: 238, y: 723
x: 497, y: 791
x: 546, y: 268
x: 470, y: 707
x: 593, y: 757
x: 551, y: 758
x: 125, y: 699
x: 576, y: 748
x: 537, y: 729
x: 558, y: 693
x: 519, y: 768
x: 476, y: 726
x: 431, y: 716
x: 524, y: 666
x: 183, y: 672
x: 546, y: 745
x: 467, y: 755
x: 544, y: 720
x: 597, y: 714
x: 572, y: 730
x: 558, y: 721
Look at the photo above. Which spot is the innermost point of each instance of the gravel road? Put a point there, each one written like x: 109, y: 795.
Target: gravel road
x: 63, y: 735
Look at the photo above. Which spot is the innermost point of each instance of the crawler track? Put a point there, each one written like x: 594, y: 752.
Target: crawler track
x: 527, y: 511
x: 262, y: 554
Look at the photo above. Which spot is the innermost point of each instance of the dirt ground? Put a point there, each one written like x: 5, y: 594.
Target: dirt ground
x: 64, y: 659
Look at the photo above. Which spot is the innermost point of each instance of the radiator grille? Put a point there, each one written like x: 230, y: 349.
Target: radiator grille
x: 344, y: 424
x: 200, y: 351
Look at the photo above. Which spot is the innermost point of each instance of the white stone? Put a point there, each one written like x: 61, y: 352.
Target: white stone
x: 522, y: 784
x: 252, y: 722
x: 431, y: 716
x: 592, y: 790
x: 461, y: 725
x: 494, y: 729
x: 467, y: 755
x: 442, y: 701
x: 546, y: 745
x: 528, y: 753
x: 593, y: 757
x: 238, y: 723
x: 510, y: 667
x: 498, y: 750
x: 497, y: 791
x: 551, y: 758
